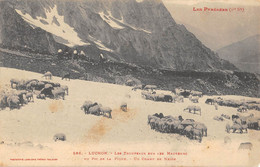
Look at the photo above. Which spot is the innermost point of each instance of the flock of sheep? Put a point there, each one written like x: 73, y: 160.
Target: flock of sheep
x: 21, y: 92
x: 177, y: 96
x: 242, y: 120
x: 96, y: 109
x: 149, y: 93
x: 169, y: 124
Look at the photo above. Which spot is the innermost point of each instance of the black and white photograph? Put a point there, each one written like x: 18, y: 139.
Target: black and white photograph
x: 129, y: 83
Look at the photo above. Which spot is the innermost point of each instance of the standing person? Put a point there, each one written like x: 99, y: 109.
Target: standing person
x: 216, y: 106
x: 75, y: 55
x: 82, y: 55
x: 60, y: 54
x: 101, y: 58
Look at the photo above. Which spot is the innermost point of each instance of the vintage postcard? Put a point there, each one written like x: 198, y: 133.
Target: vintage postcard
x: 129, y: 83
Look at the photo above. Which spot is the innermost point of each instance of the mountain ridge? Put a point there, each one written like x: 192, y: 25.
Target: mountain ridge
x: 143, y: 33
x: 245, y: 54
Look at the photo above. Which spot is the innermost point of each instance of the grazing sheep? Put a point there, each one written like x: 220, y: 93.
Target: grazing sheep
x: 194, y: 99
x: 178, y: 91
x: 174, y: 126
x: 210, y: 101
x: 39, y: 95
x: 66, y: 76
x: 21, y: 85
x: 196, y: 93
x: 65, y: 88
x: 158, y: 97
x: 180, y: 129
x: 59, y: 136
x: 245, y: 146
x: 14, y: 82
x: 95, y: 110
x: 31, y: 85
x: 193, y: 108
x: 13, y: 102
x: 150, y: 117
x: 47, y: 75
x: 197, y: 133
x: 237, y: 121
x: 244, y: 127
x: 202, y: 127
x: 242, y: 109
x: 29, y: 96
x: 229, y: 103
x: 228, y: 127
x: 168, y: 98
x: 253, y: 123
x: 22, y: 97
x: 39, y: 86
x: 47, y: 91
x: 87, y: 105
x: 106, y: 111
x: 58, y: 92
x: 48, y: 86
x: 234, y: 117
x: 159, y: 125
x: 170, y: 124
x: 188, y: 131
x: 152, y: 122
x: 147, y: 95
x: 185, y: 93
x: 236, y: 127
x: 3, y: 101
x: 179, y: 99
x: 245, y: 116
x: 123, y: 106
x: 158, y: 115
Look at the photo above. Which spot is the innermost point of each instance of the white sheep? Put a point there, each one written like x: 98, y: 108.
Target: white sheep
x: 47, y: 75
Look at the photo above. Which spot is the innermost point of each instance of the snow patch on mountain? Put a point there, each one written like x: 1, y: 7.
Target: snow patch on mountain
x: 54, y: 23
x: 119, y: 24
x: 99, y: 44
x: 109, y: 21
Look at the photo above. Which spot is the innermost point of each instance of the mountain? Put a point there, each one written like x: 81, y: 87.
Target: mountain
x: 244, y: 54
x: 217, y: 29
x: 140, y: 32
x: 207, y: 39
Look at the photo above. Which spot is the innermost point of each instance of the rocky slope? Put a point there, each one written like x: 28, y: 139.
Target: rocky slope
x: 143, y: 33
x: 211, y: 83
x: 244, y: 54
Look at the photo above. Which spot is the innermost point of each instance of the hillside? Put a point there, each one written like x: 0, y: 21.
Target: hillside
x: 211, y: 83
x: 28, y: 132
x: 143, y: 33
x: 244, y: 54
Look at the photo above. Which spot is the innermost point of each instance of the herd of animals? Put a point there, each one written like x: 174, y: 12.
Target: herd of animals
x: 169, y: 124
x: 196, y: 130
x: 98, y: 109
x: 22, y: 92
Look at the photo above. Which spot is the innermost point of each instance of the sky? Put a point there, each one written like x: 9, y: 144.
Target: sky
x: 217, y: 29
